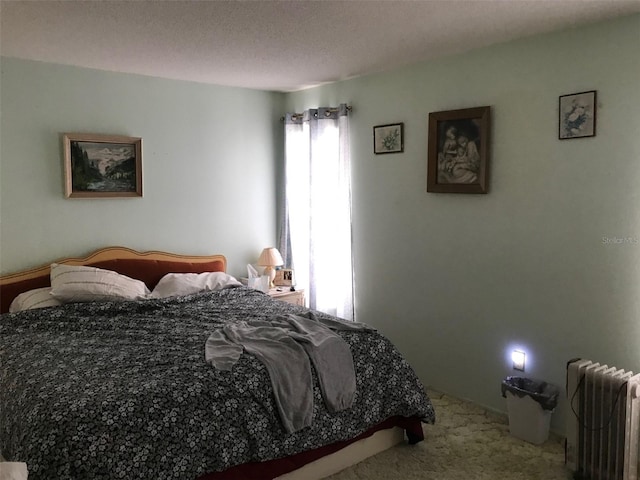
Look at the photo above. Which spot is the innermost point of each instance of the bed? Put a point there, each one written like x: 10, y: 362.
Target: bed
x: 120, y: 389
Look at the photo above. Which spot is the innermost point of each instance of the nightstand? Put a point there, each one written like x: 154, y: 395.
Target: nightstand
x: 285, y: 295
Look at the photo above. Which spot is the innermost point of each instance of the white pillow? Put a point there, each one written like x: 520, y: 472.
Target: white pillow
x: 175, y: 284
x: 13, y: 471
x: 37, y: 298
x: 90, y: 284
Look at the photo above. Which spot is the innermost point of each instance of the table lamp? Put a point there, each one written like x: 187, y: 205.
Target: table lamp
x: 269, y: 258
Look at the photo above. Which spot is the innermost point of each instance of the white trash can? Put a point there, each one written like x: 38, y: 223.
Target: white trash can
x: 530, y: 404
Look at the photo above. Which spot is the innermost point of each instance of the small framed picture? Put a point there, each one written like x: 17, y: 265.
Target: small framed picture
x: 284, y: 277
x: 577, y: 115
x: 102, y: 165
x: 388, y: 138
x: 458, y: 153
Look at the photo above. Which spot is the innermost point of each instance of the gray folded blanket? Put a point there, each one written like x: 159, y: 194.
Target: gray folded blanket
x: 284, y: 345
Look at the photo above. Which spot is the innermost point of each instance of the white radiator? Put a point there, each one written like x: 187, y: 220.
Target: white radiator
x: 603, y: 421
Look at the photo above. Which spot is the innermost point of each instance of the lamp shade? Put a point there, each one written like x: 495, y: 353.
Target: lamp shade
x: 270, y: 257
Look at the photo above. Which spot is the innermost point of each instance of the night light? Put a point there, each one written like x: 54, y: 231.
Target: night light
x: 518, y: 358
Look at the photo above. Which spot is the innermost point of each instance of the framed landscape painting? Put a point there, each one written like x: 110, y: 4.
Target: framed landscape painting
x: 458, y: 152
x: 102, y: 165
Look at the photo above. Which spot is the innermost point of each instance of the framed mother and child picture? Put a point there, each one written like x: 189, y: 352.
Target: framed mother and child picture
x: 459, y: 151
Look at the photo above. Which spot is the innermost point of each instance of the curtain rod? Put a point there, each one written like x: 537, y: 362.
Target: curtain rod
x: 295, y: 116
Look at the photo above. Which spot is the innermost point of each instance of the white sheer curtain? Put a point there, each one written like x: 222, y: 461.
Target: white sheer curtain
x: 316, y: 235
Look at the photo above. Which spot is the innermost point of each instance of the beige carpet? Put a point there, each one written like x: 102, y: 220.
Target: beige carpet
x: 467, y: 443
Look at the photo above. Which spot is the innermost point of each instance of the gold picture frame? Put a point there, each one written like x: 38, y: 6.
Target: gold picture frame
x: 284, y: 278
x: 102, y: 165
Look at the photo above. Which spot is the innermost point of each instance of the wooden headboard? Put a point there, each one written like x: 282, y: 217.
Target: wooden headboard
x: 149, y: 267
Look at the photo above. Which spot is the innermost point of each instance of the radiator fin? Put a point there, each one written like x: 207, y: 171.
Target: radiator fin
x: 603, y: 422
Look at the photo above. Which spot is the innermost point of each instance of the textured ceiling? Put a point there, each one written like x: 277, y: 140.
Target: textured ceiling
x: 276, y: 45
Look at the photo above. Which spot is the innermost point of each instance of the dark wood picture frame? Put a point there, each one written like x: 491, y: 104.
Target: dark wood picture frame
x: 458, y: 151
x: 577, y: 115
x: 98, y: 166
x: 388, y: 138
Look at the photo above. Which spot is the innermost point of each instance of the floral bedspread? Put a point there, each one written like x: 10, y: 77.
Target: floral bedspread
x: 121, y: 390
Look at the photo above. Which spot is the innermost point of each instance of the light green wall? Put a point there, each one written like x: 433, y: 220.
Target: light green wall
x: 457, y: 281
x: 208, y: 161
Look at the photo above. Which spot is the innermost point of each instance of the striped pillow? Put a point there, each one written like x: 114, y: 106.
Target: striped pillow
x: 37, y: 298
x: 176, y: 284
x: 90, y: 284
